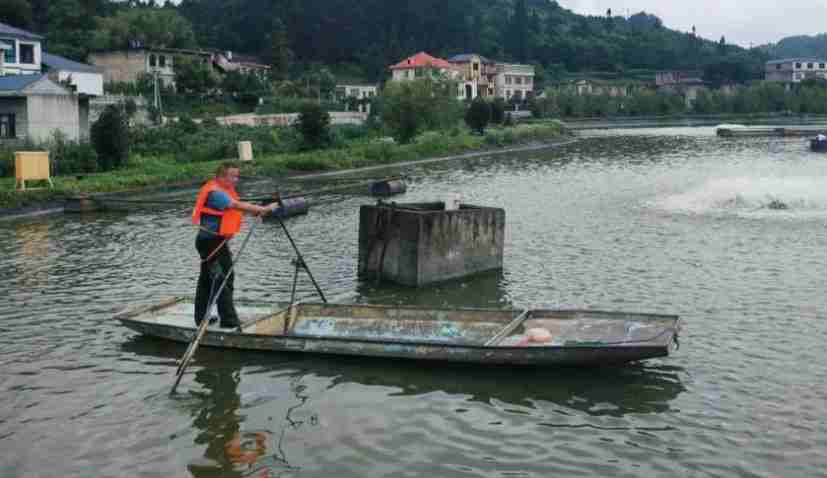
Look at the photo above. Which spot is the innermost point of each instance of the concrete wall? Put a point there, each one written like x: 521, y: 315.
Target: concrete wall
x: 287, y: 119
x: 47, y: 113
x: 84, y: 83
x: 123, y: 65
x: 99, y: 103
x: 429, y: 245
x: 17, y: 107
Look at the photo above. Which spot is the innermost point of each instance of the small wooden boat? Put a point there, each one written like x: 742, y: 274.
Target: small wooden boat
x: 487, y: 336
x: 818, y: 145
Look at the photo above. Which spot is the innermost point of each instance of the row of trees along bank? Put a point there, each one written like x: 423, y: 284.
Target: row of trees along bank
x: 809, y: 97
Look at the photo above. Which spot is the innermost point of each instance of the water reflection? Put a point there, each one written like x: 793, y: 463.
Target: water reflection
x: 610, y: 391
x: 485, y: 290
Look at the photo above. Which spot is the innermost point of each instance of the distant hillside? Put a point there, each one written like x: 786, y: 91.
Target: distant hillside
x: 799, y: 46
x: 375, y: 33
x: 363, y: 37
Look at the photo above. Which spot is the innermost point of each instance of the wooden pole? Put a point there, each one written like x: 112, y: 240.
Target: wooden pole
x: 205, y: 321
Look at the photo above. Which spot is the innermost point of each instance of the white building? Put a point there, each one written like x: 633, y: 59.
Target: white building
x: 21, y: 51
x: 795, y: 70
x: 514, y: 81
x: 360, y: 92
x: 82, y: 78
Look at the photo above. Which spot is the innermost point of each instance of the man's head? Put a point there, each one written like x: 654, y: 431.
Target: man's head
x: 227, y: 175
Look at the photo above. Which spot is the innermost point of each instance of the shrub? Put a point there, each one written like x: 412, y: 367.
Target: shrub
x: 6, y: 163
x: 409, y: 107
x: 110, y: 137
x: 314, y: 125
x: 498, y: 111
x: 78, y: 158
x: 478, y: 115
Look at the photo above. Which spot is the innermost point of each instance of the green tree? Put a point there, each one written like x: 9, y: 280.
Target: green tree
x: 193, y: 76
x: 498, y: 110
x: 110, y: 137
x: 411, y: 107
x: 519, y: 32
x: 278, y: 53
x: 151, y: 27
x: 17, y: 13
x: 70, y: 28
x: 478, y: 115
x: 314, y: 125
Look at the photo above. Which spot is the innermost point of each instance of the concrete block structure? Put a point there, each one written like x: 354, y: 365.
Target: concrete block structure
x: 420, y: 244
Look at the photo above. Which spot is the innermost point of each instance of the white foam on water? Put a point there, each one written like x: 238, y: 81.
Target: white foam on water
x: 796, y: 196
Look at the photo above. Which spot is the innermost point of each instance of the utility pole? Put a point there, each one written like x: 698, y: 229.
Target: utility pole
x: 157, y: 98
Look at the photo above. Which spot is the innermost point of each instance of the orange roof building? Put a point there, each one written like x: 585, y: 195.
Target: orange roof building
x: 418, y: 65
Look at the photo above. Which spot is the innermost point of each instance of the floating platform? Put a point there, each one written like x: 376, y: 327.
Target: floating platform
x: 782, y: 132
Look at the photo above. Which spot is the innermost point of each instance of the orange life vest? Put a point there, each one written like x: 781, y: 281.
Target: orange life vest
x: 230, y: 219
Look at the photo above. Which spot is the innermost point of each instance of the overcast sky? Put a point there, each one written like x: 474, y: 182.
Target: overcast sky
x: 743, y: 22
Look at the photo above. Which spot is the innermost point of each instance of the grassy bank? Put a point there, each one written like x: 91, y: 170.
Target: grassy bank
x: 158, y: 170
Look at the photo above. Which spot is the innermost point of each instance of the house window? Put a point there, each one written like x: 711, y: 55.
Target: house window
x: 152, y: 61
x: 27, y: 54
x: 810, y: 66
x: 507, y: 80
x: 162, y: 61
x: 518, y: 80
x: 798, y: 65
x: 7, y: 126
x: 821, y: 65
x: 10, y: 55
x: 476, y: 67
x: 778, y: 66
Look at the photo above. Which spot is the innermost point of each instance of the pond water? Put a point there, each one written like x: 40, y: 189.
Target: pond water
x: 729, y: 234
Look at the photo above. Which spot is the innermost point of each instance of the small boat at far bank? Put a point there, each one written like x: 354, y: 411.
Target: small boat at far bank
x: 819, y: 144
x: 484, y: 336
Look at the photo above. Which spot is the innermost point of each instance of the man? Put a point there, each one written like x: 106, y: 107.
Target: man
x: 218, y: 213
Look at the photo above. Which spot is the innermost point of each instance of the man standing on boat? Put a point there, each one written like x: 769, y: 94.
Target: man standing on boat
x: 218, y: 214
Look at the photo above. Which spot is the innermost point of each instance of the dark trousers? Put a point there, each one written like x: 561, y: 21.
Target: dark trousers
x: 209, y: 280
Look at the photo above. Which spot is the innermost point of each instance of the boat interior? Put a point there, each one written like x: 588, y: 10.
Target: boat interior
x: 469, y: 327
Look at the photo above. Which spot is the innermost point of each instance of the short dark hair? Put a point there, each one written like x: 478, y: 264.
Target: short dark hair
x: 223, y: 167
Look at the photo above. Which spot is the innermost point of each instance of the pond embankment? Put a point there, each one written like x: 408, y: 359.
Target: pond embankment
x: 151, y: 175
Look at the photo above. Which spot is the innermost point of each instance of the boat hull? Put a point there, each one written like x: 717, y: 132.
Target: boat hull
x: 322, y: 335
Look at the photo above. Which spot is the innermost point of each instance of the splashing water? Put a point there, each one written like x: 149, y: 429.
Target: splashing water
x: 802, y: 196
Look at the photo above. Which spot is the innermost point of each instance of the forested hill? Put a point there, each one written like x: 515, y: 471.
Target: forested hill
x: 371, y: 34
x: 799, y: 46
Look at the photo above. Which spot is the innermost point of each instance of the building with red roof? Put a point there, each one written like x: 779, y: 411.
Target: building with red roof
x: 476, y: 75
x: 421, y: 65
